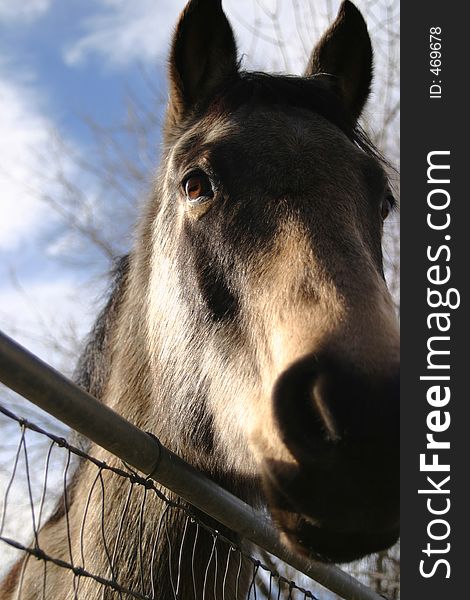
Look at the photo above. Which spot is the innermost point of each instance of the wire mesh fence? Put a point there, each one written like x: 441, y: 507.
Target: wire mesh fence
x: 123, y: 516
x: 132, y: 543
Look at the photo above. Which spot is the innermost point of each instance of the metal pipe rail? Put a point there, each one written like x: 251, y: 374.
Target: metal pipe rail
x: 50, y: 390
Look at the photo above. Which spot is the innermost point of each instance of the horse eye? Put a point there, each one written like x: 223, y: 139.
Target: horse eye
x: 198, y: 188
x: 387, y: 205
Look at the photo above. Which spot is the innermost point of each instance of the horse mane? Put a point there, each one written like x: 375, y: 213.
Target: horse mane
x: 93, y: 367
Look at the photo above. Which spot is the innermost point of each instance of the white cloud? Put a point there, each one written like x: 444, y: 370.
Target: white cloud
x: 125, y: 31
x: 24, y: 11
x: 24, y: 135
x: 48, y: 317
x: 42, y: 314
x: 33, y: 159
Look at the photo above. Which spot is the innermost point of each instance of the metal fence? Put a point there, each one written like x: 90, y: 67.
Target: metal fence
x: 153, y: 477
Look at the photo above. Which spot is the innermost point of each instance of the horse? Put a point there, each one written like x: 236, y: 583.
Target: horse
x: 250, y: 328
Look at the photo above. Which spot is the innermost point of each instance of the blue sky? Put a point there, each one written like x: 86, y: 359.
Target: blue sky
x: 63, y: 62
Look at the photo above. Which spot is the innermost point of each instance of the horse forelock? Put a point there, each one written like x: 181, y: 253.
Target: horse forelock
x: 249, y: 91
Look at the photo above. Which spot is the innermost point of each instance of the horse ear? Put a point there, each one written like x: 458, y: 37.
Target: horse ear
x: 203, y: 55
x: 345, y: 52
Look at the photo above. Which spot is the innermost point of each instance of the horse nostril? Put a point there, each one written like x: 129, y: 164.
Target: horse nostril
x: 304, y: 419
x: 341, y: 428
x: 319, y: 394
x: 319, y: 403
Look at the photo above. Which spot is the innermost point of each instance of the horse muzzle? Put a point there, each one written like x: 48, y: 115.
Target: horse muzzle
x: 335, y: 493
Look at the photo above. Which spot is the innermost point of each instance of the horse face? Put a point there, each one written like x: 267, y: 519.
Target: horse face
x: 273, y: 220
